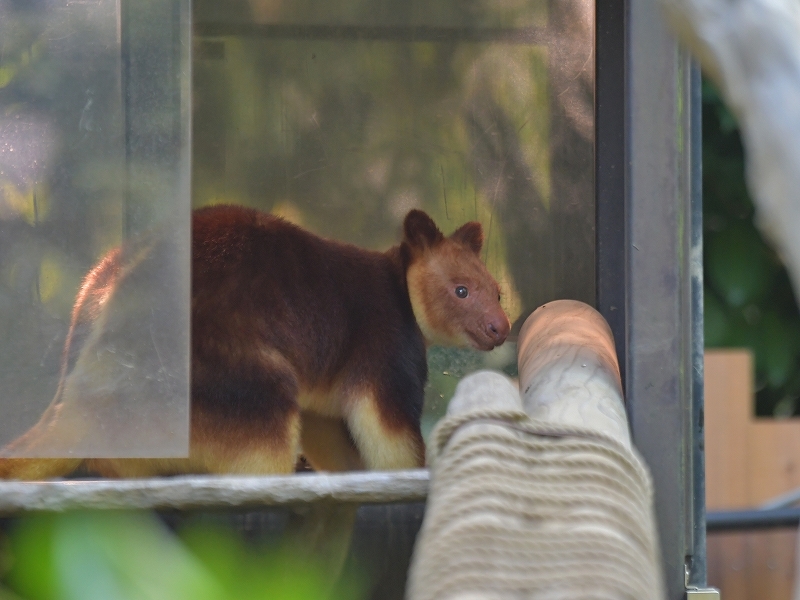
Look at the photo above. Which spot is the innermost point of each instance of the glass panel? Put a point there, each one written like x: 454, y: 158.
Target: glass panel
x: 343, y: 115
x: 94, y: 155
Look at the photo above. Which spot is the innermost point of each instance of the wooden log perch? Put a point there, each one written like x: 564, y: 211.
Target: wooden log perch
x: 568, y: 369
x: 546, y: 502
x: 194, y: 492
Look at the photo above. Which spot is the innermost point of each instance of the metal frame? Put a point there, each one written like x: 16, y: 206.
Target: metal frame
x: 649, y: 261
x: 738, y: 520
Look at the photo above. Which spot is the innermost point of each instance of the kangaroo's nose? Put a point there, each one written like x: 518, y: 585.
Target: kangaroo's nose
x: 498, y: 329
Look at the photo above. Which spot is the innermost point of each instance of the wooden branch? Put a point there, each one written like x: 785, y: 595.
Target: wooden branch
x: 193, y: 492
x: 568, y: 370
x: 752, y: 49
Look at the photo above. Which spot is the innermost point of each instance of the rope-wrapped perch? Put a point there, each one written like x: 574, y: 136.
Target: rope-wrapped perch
x: 539, y: 508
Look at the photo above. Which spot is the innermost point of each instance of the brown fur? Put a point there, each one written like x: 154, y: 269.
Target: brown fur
x: 298, y: 341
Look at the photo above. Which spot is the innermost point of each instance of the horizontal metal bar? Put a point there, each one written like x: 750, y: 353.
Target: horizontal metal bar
x: 786, y: 500
x: 192, y: 492
x: 414, y: 33
x: 734, y: 520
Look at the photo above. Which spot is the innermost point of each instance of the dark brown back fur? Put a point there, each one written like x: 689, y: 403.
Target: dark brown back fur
x: 288, y: 326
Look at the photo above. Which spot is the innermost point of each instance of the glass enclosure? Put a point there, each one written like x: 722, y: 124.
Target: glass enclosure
x: 341, y: 115
x: 94, y: 156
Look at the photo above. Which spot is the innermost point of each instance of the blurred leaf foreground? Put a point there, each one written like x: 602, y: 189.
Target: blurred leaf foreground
x: 134, y: 556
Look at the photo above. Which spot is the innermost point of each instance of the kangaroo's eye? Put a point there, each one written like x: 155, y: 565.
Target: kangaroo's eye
x: 462, y: 292
x: 498, y: 297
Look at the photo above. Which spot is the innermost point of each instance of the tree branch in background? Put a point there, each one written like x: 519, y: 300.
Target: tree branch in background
x: 751, y: 48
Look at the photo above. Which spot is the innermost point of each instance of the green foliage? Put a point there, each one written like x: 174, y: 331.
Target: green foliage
x: 133, y: 556
x: 748, y: 297
x: 740, y: 267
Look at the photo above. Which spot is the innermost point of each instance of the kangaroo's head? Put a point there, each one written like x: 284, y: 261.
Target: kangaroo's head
x: 456, y: 301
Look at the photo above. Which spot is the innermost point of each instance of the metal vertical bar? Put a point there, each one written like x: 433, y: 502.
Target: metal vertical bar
x: 697, y: 567
x: 610, y: 166
x: 660, y: 310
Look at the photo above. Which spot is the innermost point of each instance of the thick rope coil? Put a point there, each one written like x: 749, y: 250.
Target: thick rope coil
x: 521, y: 508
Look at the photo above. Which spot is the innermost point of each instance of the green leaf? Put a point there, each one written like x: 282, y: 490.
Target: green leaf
x: 776, y: 352
x: 739, y: 264
x: 33, y: 573
x: 715, y: 320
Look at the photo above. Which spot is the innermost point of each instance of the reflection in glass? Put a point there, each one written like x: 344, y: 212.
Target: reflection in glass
x: 93, y: 154
x: 343, y: 115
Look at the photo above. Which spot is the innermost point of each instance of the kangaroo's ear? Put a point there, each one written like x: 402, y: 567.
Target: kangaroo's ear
x: 470, y: 235
x: 420, y: 231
